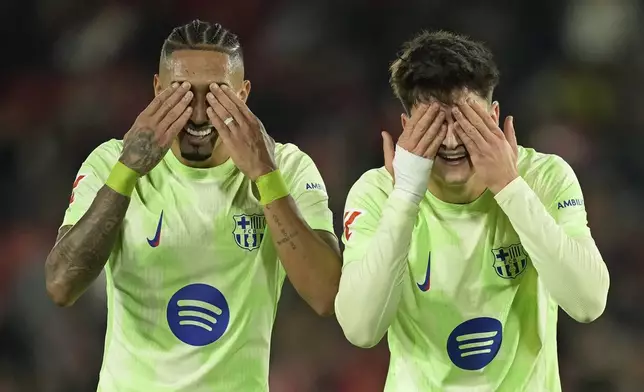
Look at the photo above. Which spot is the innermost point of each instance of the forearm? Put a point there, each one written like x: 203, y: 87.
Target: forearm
x: 571, y: 269
x: 80, y: 254
x: 371, y: 287
x: 312, y: 264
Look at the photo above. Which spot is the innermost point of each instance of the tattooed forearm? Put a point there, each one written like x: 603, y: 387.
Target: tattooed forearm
x: 311, y: 258
x: 81, y: 251
x: 287, y: 238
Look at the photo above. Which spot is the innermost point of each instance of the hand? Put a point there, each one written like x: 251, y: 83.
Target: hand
x: 151, y: 135
x: 493, y: 152
x: 248, y: 144
x: 422, y: 136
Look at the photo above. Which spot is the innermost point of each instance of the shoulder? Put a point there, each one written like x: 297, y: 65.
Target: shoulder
x: 290, y: 157
x: 539, y: 169
x: 372, y: 189
x: 105, y: 154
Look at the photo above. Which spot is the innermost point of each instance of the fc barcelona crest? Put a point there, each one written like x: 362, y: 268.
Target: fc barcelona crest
x: 249, y: 230
x: 510, y: 261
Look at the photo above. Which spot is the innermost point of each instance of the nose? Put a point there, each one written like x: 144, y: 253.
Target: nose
x: 199, y: 105
x: 451, y: 141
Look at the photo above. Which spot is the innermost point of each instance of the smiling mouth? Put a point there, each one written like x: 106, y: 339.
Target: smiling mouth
x: 199, y: 133
x: 453, y: 159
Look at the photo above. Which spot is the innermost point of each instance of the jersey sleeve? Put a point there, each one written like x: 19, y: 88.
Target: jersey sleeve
x: 307, y: 189
x: 362, y: 213
x: 90, y: 178
x: 563, y: 197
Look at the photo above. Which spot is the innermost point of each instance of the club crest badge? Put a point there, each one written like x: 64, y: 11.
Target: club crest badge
x: 249, y: 230
x: 510, y: 261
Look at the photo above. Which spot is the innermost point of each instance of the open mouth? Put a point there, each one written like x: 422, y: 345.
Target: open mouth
x: 454, y: 159
x: 199, y: 133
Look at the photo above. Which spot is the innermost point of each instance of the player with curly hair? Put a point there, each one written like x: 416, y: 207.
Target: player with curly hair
x: 464, y: 246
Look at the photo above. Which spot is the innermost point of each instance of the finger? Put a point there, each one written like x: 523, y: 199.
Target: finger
x: 177, y: 111
x: 470, y: 146
x: 424, y: 123
x: 420, y: 112
x: 487, y: 119
x: 431, y: 133
x: 159, y: 99
x: 510, y: 135
x: 388, y: 150
x: 433, y: 147
x: 241, y: 105
x: 224, y: 115
x: 169, y: 103
x: 474, y: 119
x: 177, y: 126
x: 218, y: 122
x: 227, y: 103
x: 470, y: 130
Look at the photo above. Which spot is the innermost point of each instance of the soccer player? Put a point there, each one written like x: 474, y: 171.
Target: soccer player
x: 196, y: 217
x: 464, y: 245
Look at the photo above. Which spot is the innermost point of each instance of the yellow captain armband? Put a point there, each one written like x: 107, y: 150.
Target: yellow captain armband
x: 271, y: 187
x: 122, y: 179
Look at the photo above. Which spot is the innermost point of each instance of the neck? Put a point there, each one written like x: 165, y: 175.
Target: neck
x: 219, y: 156
x: 462, y: 193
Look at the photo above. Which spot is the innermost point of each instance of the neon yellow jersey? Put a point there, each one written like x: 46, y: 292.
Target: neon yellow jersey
x: 473, y: 315
x: 194, y: 279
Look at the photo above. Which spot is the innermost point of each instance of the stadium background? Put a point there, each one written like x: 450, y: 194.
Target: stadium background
x: 74, y: 74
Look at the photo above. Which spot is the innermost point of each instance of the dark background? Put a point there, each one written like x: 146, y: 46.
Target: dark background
x: 77, y: 73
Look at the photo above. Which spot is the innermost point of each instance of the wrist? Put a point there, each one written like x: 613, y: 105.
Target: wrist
x: 122, y: 179
x: 271, y: 186
x: 500, y: 185
x: 411, y: 173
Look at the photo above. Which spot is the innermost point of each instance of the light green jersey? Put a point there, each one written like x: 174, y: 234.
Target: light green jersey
x: 473, y: 315
x: 194, y: 279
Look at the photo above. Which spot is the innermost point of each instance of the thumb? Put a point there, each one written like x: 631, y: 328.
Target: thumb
x: 388, y: 151
x: 510, y: 135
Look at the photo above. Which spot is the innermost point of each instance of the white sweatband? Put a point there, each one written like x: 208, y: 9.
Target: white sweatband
x: 411, y: 174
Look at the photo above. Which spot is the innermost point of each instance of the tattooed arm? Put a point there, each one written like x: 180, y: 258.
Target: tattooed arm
x: 82, y: 250
x: 311, y: 258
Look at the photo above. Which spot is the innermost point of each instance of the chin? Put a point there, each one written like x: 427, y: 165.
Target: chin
x: 192, y: 156
x: 453, y: 176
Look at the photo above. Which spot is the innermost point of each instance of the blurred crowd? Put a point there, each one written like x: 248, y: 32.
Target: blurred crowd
x: 75, y: 74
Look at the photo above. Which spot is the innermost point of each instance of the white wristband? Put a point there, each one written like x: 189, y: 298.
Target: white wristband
x: 411, y: 174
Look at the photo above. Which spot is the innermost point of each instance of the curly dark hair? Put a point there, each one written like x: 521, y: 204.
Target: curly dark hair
x: 440, y: 65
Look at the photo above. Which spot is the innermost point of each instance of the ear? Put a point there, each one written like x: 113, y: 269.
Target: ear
x: 157, y: 85
x: 245, y: 91
x: 403, y: 120
x: 495, y: 113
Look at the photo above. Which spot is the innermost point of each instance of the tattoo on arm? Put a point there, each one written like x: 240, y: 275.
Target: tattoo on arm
x: 82, y: 250
x: 285, y: 238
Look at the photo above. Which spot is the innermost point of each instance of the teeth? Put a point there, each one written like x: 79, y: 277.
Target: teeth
x: 202, y: 133
x: 452, y: 158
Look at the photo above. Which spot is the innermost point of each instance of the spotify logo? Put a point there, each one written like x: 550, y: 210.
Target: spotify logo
x: 473, y: 344
x: 198, y: 314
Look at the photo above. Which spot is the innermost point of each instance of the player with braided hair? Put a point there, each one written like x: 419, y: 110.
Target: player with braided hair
x: 197, y: 216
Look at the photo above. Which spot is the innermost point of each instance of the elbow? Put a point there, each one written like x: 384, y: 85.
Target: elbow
x: 359, y: 338
x: 357, y: 329
x: 324, y: 308
x: 323, y: 305
x: 593, y: 310
x: 361, y: 341
x: 590, y: 309
x: 60, y: 295
x: 57, y: 289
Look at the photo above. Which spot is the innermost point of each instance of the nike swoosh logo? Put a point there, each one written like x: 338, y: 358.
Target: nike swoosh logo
x: 154, y: 242
x: 425, y: 285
